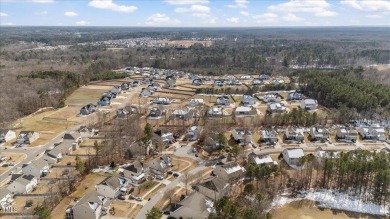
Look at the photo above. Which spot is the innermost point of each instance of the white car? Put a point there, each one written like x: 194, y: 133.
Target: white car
x: 138, y: 198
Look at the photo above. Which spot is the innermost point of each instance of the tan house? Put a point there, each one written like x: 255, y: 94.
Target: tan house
x: 214, y: 188
x: 230, y: 172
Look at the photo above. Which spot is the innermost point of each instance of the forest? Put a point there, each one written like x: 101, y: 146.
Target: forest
x: 235, y: 50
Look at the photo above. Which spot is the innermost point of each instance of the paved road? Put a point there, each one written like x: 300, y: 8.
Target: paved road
x: 154, y: 200
x: 31, y: 154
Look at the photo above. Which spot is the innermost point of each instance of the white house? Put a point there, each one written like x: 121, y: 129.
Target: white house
x: 37, y: 168
x: 230, y: 172
x: 6, y: 135
x: 293, y: 156
x: 270, y: 136
x: 261, y: 159
x: 23, y: 184
x: 215, y: 112
x: 343, y: 134
x: 243, y: 111
x: 195, y: 102
x: 276, y: 108
x: 135, y: 172
x: 319, y: 134
x: 6, y: 199
x: 309, y: 104
x: 110, y: 187
x: 294, y: 135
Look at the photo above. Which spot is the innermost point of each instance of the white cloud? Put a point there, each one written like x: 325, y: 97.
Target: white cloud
x: 319, y: 7
x: 233, y: 20
x: 7, y: 24
x: 239, y: 4
x: 3, y: 14
x: 368, y: 5
x: 194, y: 8
x: 267, y: 17
x: 108, y: 4
x: 292, y: 17
x: 376, y: 16
x: 83, y: 23
x: 160, y: 19
x: 42, y: 13
x: 70, y: 13
x: 43, y: 1
x: 244, y: 13
x: 186, y: 2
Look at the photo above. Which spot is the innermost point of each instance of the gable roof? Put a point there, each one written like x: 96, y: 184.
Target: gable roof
x: 72, y: 136
x: 25, y: 179
x: 214, y: 183
x: 112, y: 182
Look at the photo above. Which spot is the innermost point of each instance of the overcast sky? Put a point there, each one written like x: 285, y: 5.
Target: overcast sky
x: 195, y: 13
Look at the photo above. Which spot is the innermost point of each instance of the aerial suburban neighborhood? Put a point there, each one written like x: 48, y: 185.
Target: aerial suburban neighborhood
x: 195, y: 147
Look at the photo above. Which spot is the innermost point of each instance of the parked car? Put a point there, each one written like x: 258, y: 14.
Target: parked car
x: 121, y: 197
x: 131, y: 197
x: 138, y: 198
x: 169, y: 172
x: 176, y: 174
x: 69, y: 164
x: 158, y: 177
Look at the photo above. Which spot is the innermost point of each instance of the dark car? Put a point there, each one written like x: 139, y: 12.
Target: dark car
x: 169, y: 172
x: 69, y: 164
x: 176, y: 174
x: 121, y: 197
x: 167, y: 212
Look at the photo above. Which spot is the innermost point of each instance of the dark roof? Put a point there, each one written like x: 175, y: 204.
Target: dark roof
x: 214, y: 183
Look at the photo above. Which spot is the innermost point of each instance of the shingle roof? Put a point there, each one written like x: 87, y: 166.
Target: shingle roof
x: 214, y: 183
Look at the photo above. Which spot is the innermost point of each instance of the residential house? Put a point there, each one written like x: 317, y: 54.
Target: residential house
x: 74, y: 137
x: 139, y: 148
x: 230, y: 172
x: 193, y: 133
x: 294, y: 135
x: 197, y: 82
x: 135, y: 172
x: 378, y: 133
x: 213, y: 188
x: 182, y: 114
x: 242, y: 136
x: 263, y: 159
x: 64, y: 148
x: 293, y: 157
x: 264, y: 77
x: 164, y: 136
x: 23, y: 184
x: 6, y: 200
x: 248, y: 100
x: 88, y: 109
x: 86, y: 132
x: 211, y: 142
x: 122, y: 113
x: 276, y: 108
x: 91, y: 206
x: 195, y: 206
x: 110, y: 187
x: 215, y: 112
x: 27, y: 137
x: 105, y: 100
x: 145, y: 92
x: 343, y: 134
x: 223, y: 101
x: 319, y: 134
x: 116, y: 90
x: 257, y: 82
x: 293, y: 96
x: 156, y: 112
x: 272, y: 98
x: 124, y: 86
x: 245, y: 77
x: 38, y: 168
x: 162, y: 100
x: 269, y: 136
x: 233, y: 82
x: 6, y: 135
x: 243, y: 111
x: 195, y: 103
x: 135, y: 83
x: 308, y: 104
x: 160, y: 165
x: 170, y: 84
x: 218, y: 83
x: 326, y: 153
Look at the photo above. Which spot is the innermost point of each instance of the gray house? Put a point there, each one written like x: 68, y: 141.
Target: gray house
x: 211, y: 143
x: 195, y: 206
x: 213, y: 188
x: 248, y: 100
x: 269, y: 136
x: 135, y: 172
x: 183, y: 114
x: 88, y: 109
x: 91, y: 206
x: 230, y: 172
x: 38, y: 168
x: 156, y: 112
x: 160, y: 165
x: 242, y: 136
x: 110, y: 187
x: 309, y: 104
x: 294, y: 135
x: 223, y: 101
x: 27, y: 137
